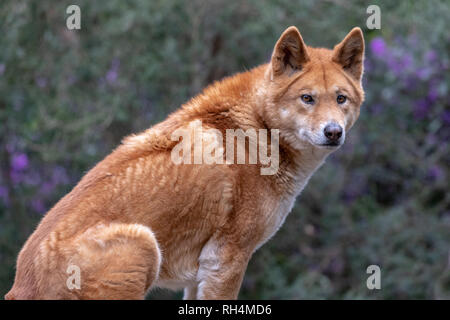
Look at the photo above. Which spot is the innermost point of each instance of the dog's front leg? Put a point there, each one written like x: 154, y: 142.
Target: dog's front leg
x: 221, y: 270
x: 190, y: 292
x: 221, y: 285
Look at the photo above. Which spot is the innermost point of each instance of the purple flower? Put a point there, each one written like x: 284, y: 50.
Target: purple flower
x: 435, y: 173
x: 41, y: 82
x: 376, y: 108
x: 378, y: 47
x: 71, y: 79
x: 47, y: 188
x: 421, y: 109
x: 111, y: 76
x: 59, y: 176
x: 19, y: 162
x: 399, y: 64
x: 430, y: 56
x: 38, y: 205
x: 411, y: 83
x: 2, y: 68
x: 16, y: 176
x: 406, y: 60
x: 4, y: 194
x: 113, y: 72
x: 368, y: 65
x: 32, y: 178
x: 424, y: 73
x: 446, y: 117
x: 433, y: 95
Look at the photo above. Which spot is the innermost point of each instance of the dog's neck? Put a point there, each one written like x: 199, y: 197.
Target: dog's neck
x: 297, y: 167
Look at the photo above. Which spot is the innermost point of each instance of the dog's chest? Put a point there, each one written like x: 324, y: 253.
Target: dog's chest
x: 275, y: 215
x: 275, y: 212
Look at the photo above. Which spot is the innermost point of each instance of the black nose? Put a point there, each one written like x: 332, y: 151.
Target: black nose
x: 333, y: 132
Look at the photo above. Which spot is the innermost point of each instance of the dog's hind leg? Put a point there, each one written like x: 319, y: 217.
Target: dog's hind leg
x: 116, y: 261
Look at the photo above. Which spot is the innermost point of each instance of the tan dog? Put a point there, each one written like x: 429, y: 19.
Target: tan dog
x: 138, y: 220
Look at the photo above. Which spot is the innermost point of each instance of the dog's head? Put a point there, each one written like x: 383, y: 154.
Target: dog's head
x: 313, y: 95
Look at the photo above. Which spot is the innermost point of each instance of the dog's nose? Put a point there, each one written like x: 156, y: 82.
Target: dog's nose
x: 333, y: 132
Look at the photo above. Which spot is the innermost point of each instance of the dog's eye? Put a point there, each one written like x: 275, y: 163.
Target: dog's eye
x: 306, y: 98
x: 341, y: 99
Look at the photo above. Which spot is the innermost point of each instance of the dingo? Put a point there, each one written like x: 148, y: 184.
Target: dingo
x: 139, y: 220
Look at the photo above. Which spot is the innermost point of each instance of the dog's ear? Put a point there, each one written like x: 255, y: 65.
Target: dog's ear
x: 350, y: 53
x: 290, y: 53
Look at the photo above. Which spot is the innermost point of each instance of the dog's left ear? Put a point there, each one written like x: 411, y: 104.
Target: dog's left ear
x: 350, y: 53
x: 290, y: 53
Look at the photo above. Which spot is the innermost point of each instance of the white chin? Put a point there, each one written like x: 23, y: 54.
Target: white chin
x: 327, y: 146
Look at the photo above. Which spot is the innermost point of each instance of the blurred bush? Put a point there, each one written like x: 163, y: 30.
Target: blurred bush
x: 68, y: 97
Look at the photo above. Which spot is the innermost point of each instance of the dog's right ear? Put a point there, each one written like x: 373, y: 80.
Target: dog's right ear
x: 289, y: 54
x: 350, y: 53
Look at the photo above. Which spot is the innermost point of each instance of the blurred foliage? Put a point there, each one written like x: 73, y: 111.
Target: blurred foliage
x: 68, y: 97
